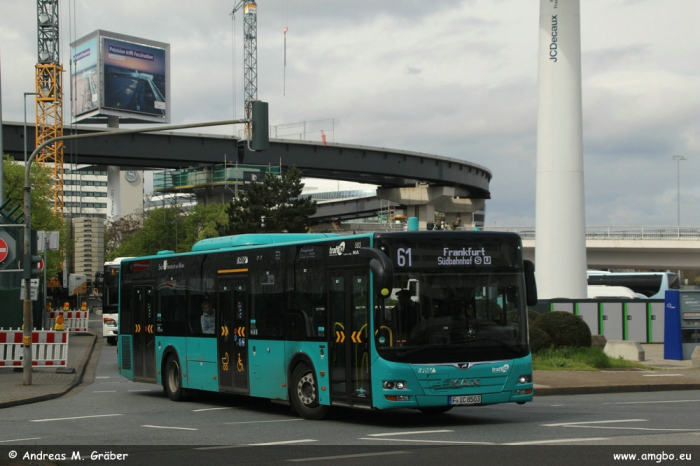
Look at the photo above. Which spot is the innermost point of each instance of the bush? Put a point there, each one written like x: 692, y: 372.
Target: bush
x: 532, y: 316
x: 539, y: 340
x: 514, y: 316
x: 564, y: 329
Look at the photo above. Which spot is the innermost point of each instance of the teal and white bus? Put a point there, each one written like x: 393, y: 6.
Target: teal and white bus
x: 314, y: 320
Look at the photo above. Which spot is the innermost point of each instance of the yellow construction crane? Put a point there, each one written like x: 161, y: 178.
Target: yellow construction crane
x: 49, y: 96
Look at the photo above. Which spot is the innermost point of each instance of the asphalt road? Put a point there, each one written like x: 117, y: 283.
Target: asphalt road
x: 110, y: 410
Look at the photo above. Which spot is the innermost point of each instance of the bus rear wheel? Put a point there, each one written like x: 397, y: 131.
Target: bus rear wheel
x: 304, y: 394
x: 172, y: 383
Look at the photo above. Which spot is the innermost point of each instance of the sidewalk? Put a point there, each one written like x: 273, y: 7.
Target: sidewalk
x: 666, y: 375
x: 47, y: 384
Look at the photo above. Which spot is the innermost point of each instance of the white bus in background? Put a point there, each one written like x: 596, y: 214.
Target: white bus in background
x: 652, y: 285
x: 108, y: 284
x: 604, y: 291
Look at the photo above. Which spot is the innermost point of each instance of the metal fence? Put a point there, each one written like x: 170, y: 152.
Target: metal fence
x: 619, y: 232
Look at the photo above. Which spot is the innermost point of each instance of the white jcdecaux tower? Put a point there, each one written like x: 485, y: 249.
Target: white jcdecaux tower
x: 560, y: 246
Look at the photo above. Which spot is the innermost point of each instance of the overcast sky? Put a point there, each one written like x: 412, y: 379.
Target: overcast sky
x: 451, y: 78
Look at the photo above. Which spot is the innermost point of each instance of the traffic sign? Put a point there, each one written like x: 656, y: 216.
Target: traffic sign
x: 4, y: 250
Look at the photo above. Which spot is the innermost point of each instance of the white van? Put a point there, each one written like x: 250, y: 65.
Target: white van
x: 618, y: 292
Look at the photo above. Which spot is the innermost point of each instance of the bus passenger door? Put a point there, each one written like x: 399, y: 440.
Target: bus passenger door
x: 232, y: 334
x: 144, y: 334
x: 349, y: 344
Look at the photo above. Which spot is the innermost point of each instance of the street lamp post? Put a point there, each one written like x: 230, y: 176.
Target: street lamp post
x: 25, y: 123
x: 678, y: 158
x: 2, y: 150
x: 26, y: 261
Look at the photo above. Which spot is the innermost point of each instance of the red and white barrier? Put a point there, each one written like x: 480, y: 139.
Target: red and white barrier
x: 75, y: 321
x: 49, y: 348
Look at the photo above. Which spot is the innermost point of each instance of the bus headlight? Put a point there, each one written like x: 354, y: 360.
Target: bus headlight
x: 110, y: 322
x: 525, y: 378
x: 394, y: 385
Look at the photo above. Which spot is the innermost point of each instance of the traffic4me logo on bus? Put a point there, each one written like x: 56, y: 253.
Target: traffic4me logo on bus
x: 464, y: 256
x: 337, y: 250
x: 340, y: 250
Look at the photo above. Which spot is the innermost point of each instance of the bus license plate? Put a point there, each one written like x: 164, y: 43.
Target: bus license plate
x: 465, y: 400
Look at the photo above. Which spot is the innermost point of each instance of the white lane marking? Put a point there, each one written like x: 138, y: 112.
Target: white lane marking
x: 103, y: 377
x: 450, y: 442
x: 662, y: 375
x: 105, y: 391
x: 635, y: 428
x: 144, y: 390
x: 70, y: 418
x: 166, y: 427
x: 20, y: 439
x: 650, y: 402
x: 223, y: 447
x: 539, y: 442
x: 207, y: 409
x: 358, y: 455
x: 563, y: 424
x: 411, y: 433
x: 261, y: 422
x: 287, y: 442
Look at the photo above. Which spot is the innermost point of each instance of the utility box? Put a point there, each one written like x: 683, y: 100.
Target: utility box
x: 682, y: 329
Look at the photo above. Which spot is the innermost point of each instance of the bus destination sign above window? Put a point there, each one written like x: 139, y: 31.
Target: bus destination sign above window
x: 440, y: 255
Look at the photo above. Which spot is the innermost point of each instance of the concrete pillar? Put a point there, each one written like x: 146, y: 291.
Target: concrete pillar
x: 423, y: 201
x: 560, y: 247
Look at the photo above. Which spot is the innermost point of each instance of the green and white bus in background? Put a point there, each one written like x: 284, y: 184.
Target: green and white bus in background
x: 107, y: 282
x: 316, y: 320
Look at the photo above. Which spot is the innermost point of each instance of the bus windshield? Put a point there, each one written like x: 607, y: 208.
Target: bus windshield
x: 455, y: 298
x: 452, y: 318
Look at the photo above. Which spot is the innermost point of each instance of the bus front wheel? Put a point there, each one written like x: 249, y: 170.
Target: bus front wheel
x: 304, y: 394
x: 173, y: 379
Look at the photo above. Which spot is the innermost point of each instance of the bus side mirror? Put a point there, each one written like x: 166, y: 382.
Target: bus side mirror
x: 530, y: 284
x: 382, y: 268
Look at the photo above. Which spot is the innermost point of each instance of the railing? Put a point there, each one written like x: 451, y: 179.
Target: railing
x: 170, y: 180
x: 361, y: 227
x: 619, y: 232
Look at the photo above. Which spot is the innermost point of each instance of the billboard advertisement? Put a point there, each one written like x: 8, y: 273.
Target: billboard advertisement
x: 84, y: 78
x: 123, y: 76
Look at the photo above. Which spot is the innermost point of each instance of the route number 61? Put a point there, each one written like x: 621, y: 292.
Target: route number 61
x: 402, y: 255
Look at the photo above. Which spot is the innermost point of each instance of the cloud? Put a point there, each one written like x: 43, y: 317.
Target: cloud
x: 452, y: 78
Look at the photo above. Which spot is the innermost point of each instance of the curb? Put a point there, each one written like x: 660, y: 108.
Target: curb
x: 77, y: 379
x: 614, y: 389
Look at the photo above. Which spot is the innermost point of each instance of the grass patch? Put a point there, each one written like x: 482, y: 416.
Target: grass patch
x: 578, y: 359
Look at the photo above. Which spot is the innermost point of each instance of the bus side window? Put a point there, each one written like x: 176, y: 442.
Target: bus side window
x: 172, y: 311
x: 296, y: 325
x: 194, y: 320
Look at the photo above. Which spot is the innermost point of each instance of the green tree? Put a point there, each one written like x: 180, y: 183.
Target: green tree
x: 167, y: 228
x: 200, y: 223
x: 158, y: 232
x: 118, y: 231
x: 43, y: 217
x: 273, y: 206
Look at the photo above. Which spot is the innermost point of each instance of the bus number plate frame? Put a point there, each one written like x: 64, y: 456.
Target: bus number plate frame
x: 464, y: 400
